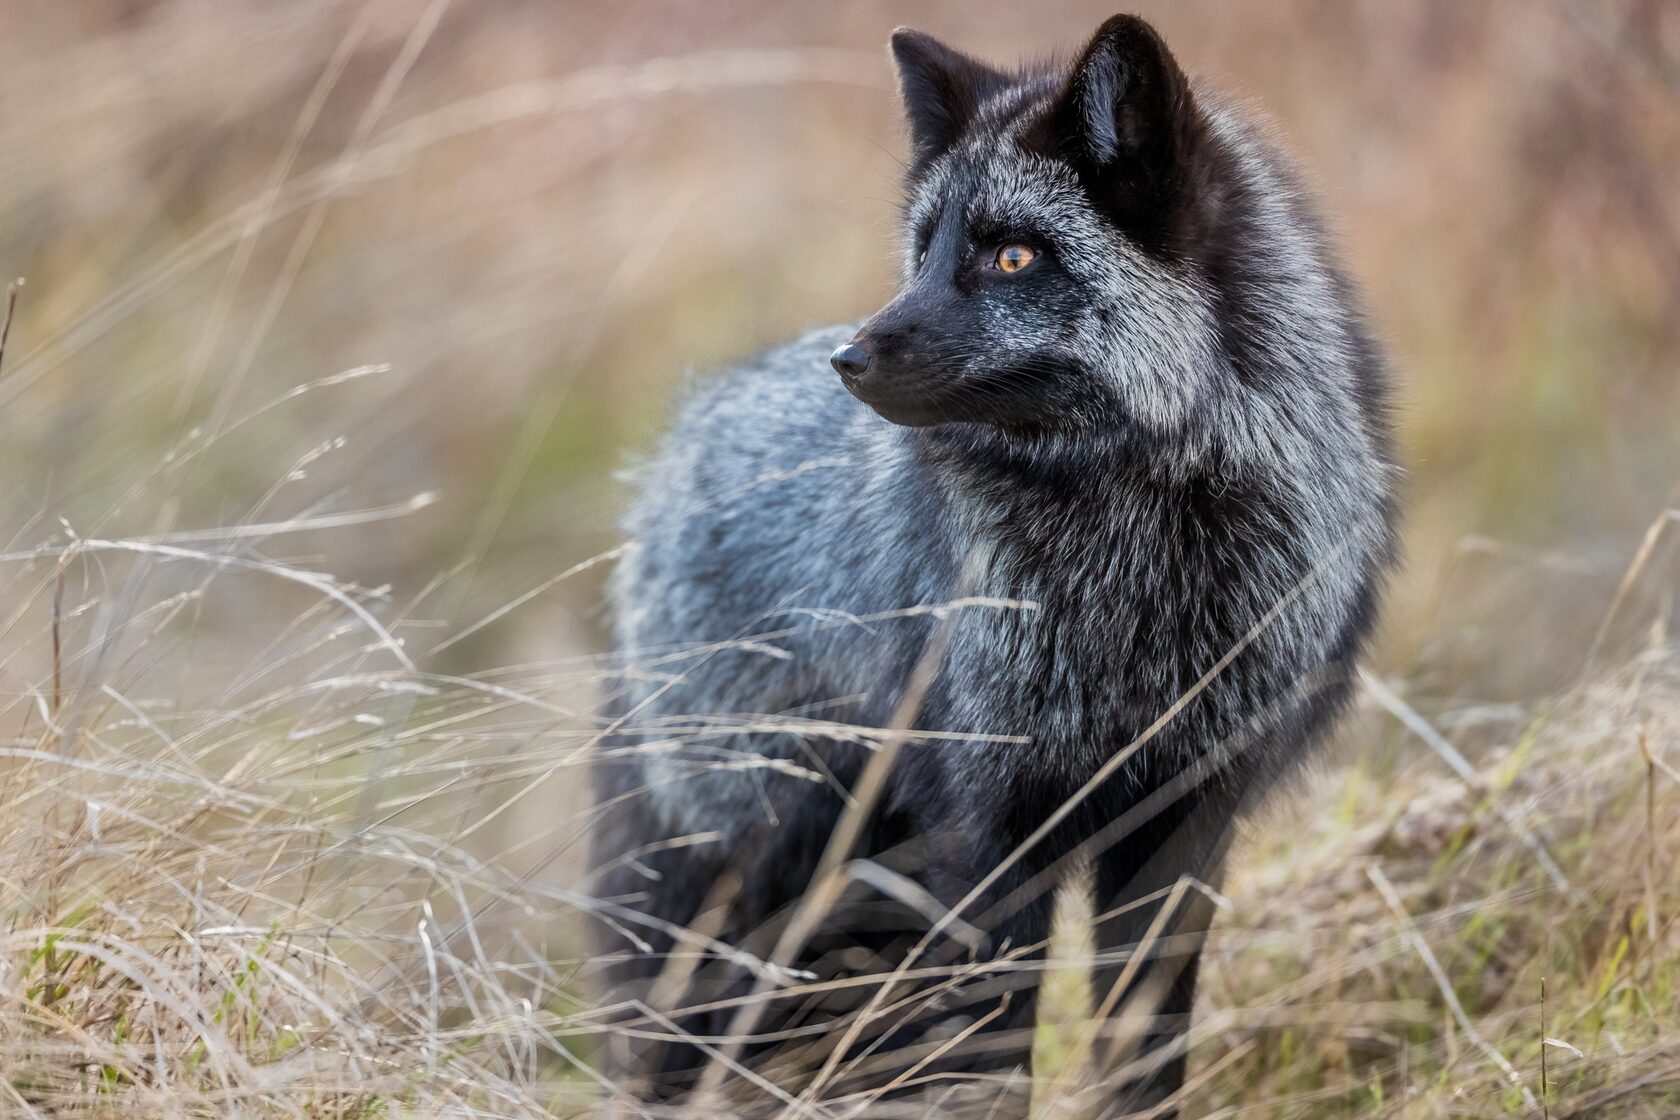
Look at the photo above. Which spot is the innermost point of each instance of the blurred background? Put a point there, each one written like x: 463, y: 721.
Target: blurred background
x: 539, y: 216
x: 367, y: 303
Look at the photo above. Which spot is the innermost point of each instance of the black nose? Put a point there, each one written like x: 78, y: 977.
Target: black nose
x: 851, y: 360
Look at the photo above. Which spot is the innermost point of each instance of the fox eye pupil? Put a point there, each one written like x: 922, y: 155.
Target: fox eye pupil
x: 1013, y: 258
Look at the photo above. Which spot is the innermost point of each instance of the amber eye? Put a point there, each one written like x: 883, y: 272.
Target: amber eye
x: 1013, y: 258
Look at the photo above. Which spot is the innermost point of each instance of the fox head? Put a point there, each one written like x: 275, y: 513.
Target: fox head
x: 1049, y: 213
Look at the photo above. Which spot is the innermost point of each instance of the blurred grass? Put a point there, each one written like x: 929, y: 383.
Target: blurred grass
x: 523, y: 224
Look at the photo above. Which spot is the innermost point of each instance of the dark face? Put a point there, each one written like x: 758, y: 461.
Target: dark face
x: 971, y: 334
x: 1030, y: 290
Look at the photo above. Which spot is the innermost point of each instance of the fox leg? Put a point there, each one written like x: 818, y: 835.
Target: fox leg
x: 1152, y: 915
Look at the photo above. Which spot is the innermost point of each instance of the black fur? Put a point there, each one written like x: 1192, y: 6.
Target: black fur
x: 1154, y: 467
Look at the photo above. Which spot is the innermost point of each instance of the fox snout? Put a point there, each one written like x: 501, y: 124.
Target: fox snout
x: 894, y: 362
x: 881, y: 349
x: 878, y: 370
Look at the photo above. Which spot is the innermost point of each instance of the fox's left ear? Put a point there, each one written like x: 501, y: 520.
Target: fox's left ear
x: 942, y: 90
x: 1127, y: 120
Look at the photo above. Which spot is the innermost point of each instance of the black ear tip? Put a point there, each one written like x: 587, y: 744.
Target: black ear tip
x: 1126, y: 24
x: 908, y: 41
x: 1129, y: 31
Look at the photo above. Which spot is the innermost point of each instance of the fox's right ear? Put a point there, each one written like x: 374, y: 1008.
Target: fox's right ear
x: 942, y: 90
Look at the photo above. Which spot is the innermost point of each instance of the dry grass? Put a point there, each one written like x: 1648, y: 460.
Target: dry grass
x: 258, y: 902
x: 1406, y: 952
x: 262, y: 899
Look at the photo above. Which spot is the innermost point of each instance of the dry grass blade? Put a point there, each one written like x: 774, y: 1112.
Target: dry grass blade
x: 1447, y: 994
x: 6, y: 319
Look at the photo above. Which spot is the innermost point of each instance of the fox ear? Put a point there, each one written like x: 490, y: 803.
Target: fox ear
x: 1126, y: 117
x: 942, y: 90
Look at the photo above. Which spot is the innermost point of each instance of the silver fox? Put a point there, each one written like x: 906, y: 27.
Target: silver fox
x: 1114, y: 466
